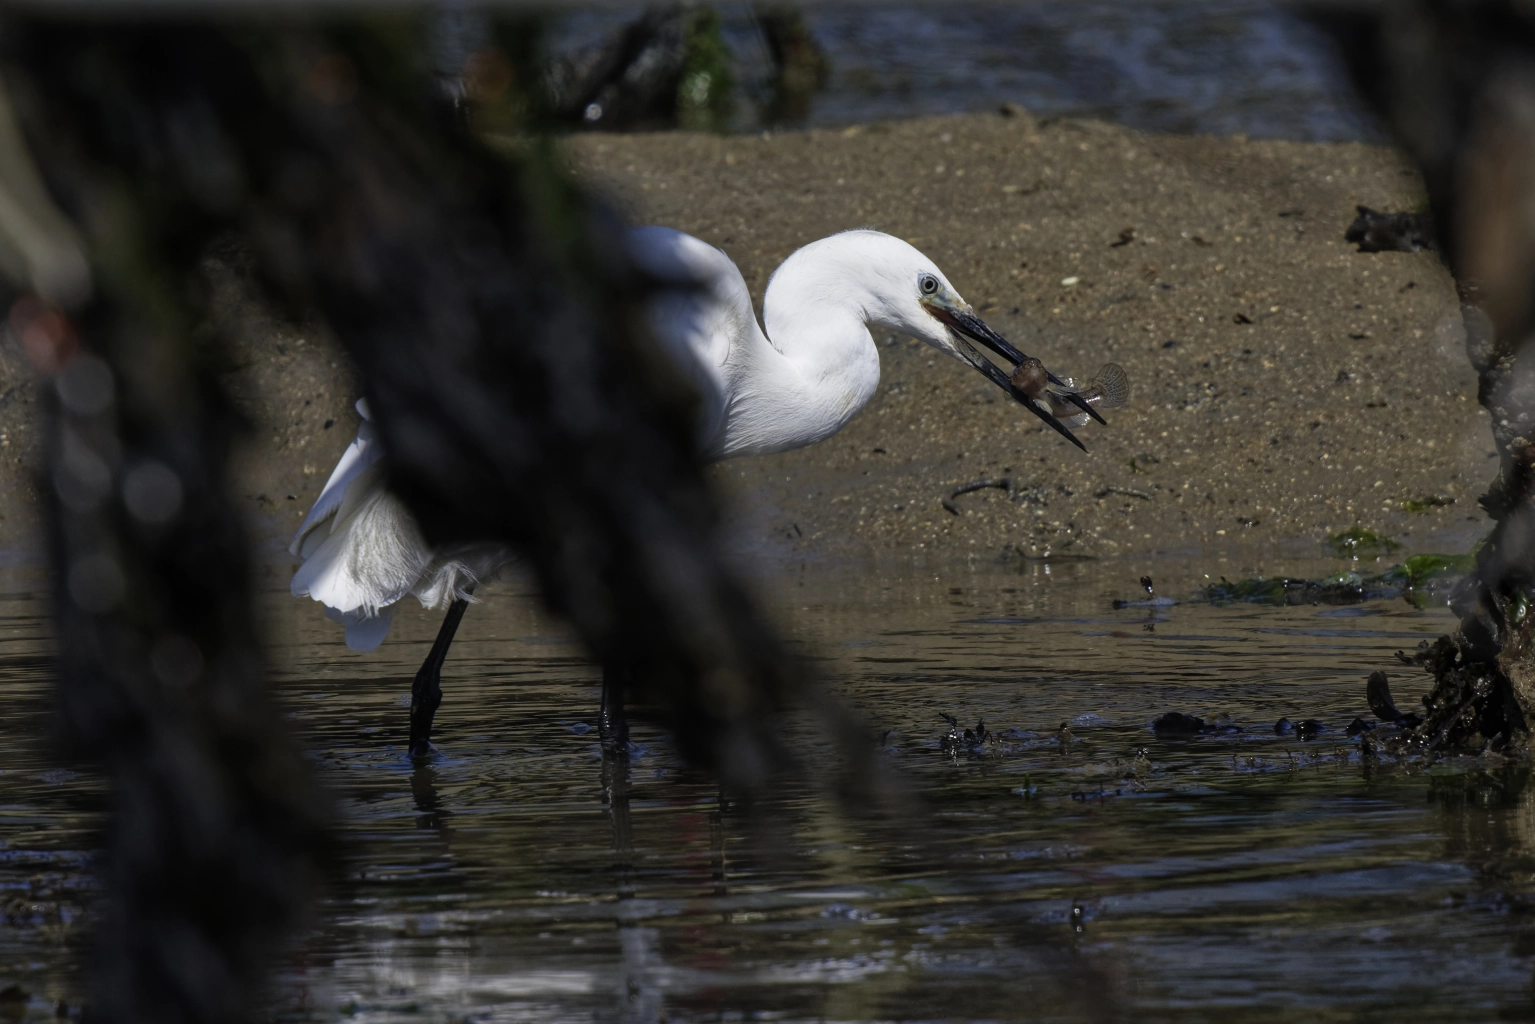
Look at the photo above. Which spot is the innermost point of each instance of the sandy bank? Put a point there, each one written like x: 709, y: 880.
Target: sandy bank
x: 1285, y: 386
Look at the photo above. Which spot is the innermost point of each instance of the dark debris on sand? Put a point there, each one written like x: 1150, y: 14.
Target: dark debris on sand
x: 978, y: 742
x: 1174, y: 725
x: 1374, y: 231
x: 1470, y: 709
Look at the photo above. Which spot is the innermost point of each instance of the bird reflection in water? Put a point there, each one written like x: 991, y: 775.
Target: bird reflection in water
x: 423, y: 792
x: 638, y: 989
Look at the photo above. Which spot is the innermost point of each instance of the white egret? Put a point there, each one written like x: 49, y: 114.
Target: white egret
x: 792, y: 385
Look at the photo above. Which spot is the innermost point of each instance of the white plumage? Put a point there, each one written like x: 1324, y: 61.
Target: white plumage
x: 363, y: 552
x: 795, y: 384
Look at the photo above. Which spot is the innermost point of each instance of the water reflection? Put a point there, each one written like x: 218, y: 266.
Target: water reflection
x: 1212, y: 66
x: 1094, y: 871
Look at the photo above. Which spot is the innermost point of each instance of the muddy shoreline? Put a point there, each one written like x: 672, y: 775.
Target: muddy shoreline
x: 1284, y: 386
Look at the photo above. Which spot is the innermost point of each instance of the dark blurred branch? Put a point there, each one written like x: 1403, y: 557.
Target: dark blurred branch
x: 668, y: 68
x: 488, y: 304
x: 496, y: 323
x: 1455, y: 80
x: 218, y: 835
x: 801, y: 67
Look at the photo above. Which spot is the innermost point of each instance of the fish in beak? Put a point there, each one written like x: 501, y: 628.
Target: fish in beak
x: 966, y: 327
x: 1109, y: 389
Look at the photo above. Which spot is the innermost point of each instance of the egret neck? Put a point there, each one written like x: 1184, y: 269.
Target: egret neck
x: 818, y: 364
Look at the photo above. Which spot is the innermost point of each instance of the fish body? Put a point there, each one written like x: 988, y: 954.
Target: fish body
x: 1109, y: 389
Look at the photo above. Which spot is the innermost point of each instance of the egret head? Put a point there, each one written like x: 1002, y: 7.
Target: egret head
x: 905, y: 292
x: 923, y: 304
x: 895, y: 287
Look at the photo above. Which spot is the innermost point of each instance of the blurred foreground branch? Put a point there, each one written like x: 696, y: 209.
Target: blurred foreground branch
x: 672, y: 68
x: 1455, y: 80
x: 497, y: 327
x: 801, y: 66
x: 669, y: 68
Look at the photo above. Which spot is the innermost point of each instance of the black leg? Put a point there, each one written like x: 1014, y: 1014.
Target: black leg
x: 426, y: 691
x: 612, y: 723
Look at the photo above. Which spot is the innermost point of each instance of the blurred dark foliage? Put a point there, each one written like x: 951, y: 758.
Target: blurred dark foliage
x: 801, y: 66
x: 496, y: 324
x: 1455, y: 80
x: 668, y: 68
x: 672, y: 68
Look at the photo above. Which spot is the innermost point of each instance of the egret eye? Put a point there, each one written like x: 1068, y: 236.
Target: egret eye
x: 928, y: 283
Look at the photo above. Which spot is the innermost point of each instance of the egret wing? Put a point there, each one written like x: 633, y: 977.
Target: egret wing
x: 700, y: 313
x: 372, y: 557
x: 359, y: 457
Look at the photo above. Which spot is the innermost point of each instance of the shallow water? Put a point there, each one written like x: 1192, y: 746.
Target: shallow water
x: 1221, y: 67
x: 1242, y: 876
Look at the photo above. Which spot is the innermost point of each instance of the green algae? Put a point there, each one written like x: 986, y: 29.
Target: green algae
x: 1255, y: 589
x: 705, y: 93
x: 1428, y: 579
x: 1343, y: 588
x: 1420, y: 568
x: 1427, y: 503
x: 1359, y: 543
x: 1421, y: 580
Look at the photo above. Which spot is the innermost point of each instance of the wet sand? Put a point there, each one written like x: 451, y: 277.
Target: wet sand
x: 1348, y: 391
x: 1284, y: 386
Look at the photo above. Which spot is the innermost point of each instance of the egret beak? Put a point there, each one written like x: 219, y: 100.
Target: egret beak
x: 973, y: 327
x: 966, y: 325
